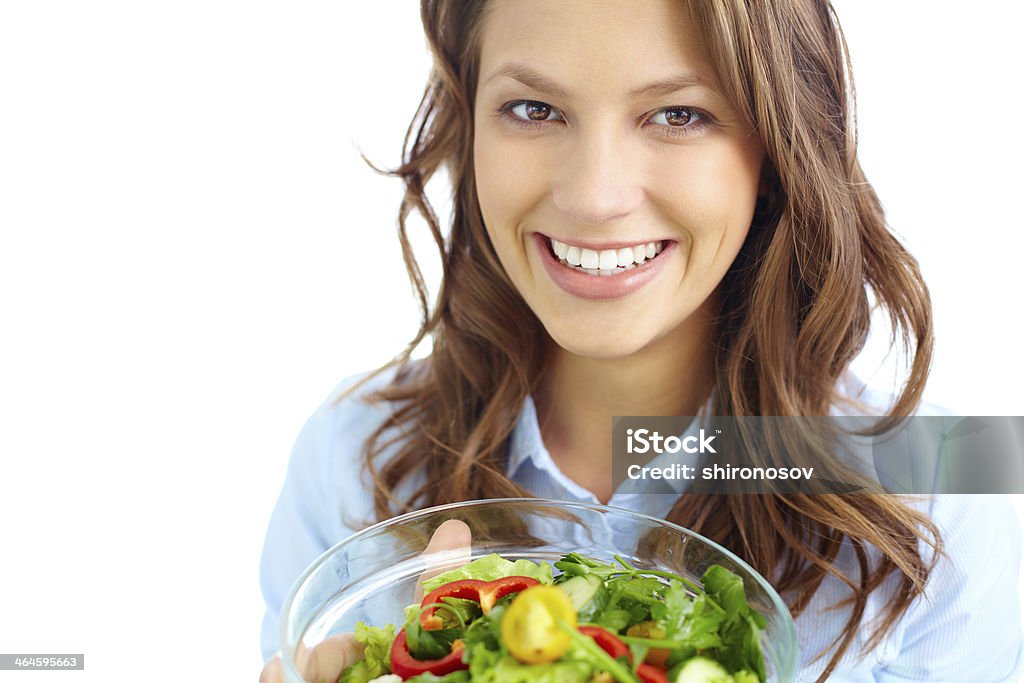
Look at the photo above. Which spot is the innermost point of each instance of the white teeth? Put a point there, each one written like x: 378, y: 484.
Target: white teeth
x: 605, y: 262
x: 560, y: 248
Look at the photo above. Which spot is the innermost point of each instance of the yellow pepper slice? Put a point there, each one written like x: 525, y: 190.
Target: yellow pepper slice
x: 530, y: 629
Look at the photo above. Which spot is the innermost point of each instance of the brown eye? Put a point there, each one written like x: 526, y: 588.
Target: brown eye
x: 530, y: 111
x: 679, y: 121
x: 677, y: 117
x: 537, y: 111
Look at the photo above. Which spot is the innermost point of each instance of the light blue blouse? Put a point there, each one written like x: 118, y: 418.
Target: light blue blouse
x: 966, y: 629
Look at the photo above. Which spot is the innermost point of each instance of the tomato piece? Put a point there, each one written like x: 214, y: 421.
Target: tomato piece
x: 607, y: 641
x: 529, y: 628
x: 407, y: 666
x: 648, y: 673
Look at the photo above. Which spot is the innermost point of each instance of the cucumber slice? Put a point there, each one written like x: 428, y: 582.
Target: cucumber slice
x: 587, y: 594
x: 702, y: 670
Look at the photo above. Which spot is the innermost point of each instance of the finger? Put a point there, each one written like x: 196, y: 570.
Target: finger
x: 450, y: 546
x: 327, y: 659
x: 272, y: 671
x: 452, y: 534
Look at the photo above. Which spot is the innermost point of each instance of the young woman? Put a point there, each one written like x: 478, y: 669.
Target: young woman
x: 658, y: 208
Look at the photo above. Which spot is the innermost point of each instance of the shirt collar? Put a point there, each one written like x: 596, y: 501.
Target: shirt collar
x: 526, y: 440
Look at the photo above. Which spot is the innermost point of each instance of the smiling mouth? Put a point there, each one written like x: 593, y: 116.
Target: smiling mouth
x: 604, y: 262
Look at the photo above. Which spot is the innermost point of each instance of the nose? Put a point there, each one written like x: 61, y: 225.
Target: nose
x: 598, y: 182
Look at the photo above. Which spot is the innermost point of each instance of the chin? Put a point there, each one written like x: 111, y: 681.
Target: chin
x: 599, y: 344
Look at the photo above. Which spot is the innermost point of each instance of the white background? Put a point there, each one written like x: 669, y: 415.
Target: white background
x: 192, y: 254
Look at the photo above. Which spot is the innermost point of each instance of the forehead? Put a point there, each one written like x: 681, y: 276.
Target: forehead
x: 593, y: 46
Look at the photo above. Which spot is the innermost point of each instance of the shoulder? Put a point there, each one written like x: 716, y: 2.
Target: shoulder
x: 333, y: 443
x: 327, y: 493
x: 350, y: 413
x: 857, y: 397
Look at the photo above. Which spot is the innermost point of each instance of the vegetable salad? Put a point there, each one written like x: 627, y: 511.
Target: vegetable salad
x: 498, y: 621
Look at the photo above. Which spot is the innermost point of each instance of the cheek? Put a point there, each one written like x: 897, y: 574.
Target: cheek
x: 712, y: 193
x: 508, y: 183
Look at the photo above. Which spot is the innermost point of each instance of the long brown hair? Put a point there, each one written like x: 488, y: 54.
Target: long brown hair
x: 795, y: 308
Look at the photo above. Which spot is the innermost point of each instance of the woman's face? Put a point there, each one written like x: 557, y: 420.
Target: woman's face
x: 616, y: 182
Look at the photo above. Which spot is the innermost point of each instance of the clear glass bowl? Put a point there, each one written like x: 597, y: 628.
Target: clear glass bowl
x: 372, y: 575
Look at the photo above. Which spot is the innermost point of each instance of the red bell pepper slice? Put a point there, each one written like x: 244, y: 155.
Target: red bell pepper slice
x: 485, y: 592
x: 608, y: 642
x: 648, y: 673
x: 407, y: 666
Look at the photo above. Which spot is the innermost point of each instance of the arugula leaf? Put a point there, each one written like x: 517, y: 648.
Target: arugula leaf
x: 700, y: 626
x: 740, y: 630
x: 575, y: 564
x: 642, y: 589
x: 485, y: 630
x: 614, y: 619
x: 376, y: 655
x: 429, y: 644
x: 727, y: 588
x: 676, y: 605
x: 631, y: 599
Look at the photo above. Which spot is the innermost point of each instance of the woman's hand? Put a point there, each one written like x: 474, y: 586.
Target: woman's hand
x: 328, y: 659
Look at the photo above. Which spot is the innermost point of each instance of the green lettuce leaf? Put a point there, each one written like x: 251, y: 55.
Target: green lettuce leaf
x: 453, y: 677
x: 489, y: 568
x: 506, y: 669
x: 376, y: 656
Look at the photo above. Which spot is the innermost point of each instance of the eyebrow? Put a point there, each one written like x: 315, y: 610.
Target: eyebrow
x: 532, y: 78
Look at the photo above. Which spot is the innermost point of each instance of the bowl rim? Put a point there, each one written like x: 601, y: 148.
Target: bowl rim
x: 288, y: 651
